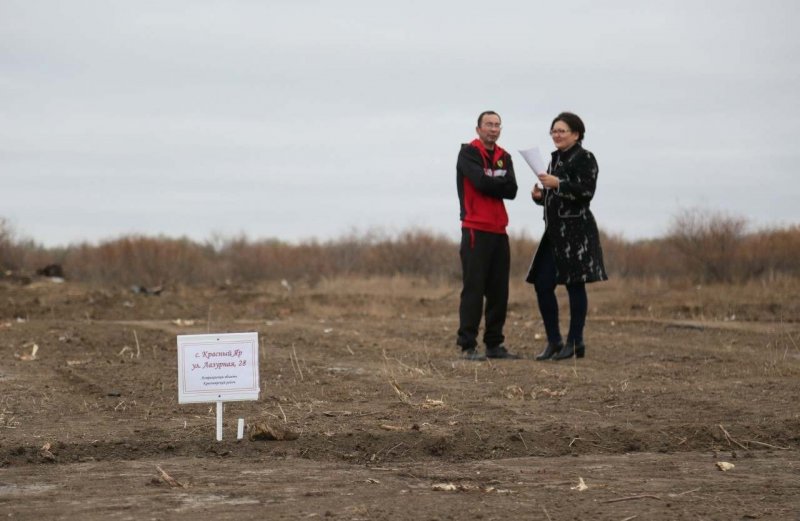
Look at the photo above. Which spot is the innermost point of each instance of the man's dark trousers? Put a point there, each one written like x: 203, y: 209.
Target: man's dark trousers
x: 485, y: 265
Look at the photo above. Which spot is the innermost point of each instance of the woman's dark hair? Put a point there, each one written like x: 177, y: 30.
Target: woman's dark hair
x: 574, y: 123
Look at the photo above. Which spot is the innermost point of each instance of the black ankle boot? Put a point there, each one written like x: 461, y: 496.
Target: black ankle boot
x: 570, y: 349
x: 550, y: 350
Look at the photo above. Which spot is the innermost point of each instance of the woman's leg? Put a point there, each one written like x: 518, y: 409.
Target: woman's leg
x: 578, y: 306
x: 545, y: 285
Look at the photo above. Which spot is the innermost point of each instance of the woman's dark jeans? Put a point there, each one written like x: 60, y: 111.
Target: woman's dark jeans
x: 545, y: 284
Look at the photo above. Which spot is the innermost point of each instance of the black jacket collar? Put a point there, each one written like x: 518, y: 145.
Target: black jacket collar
x: 567, y: 154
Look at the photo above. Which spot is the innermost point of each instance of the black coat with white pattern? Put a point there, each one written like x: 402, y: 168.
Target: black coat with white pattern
x: 570, y: 228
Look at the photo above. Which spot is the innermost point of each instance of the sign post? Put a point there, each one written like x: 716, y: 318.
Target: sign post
x: 218, y: 368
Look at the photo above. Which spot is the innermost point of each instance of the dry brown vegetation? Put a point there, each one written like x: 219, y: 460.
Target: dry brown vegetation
x: 680, y: 409
x: 700, y: 246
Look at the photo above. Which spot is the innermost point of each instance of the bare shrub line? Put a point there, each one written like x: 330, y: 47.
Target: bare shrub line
x: 700, y: 245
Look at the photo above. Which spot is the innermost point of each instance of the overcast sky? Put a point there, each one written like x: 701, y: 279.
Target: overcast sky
x: 297, y: 119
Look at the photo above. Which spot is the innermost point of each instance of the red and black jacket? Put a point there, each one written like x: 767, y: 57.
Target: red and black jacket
x: 484, y: 178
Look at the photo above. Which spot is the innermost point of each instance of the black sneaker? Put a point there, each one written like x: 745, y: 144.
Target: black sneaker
x: 501, y: 352
x: 472, y: 354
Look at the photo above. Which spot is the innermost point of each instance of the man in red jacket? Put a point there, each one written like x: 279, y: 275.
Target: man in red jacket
x: 484, y: 177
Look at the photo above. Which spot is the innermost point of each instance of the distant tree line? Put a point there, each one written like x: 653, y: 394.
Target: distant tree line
x: 700, y: 246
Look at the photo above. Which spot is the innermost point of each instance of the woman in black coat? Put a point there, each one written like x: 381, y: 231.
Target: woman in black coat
x: 569, y: 252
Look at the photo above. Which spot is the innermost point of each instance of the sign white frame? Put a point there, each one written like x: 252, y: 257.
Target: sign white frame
x: 218, y: 367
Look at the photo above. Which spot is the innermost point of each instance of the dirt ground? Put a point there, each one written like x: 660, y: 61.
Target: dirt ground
x: 391, y: 424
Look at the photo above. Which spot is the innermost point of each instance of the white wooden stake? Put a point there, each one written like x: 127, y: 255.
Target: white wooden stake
x: 220, y: 406
x: 240, y: 429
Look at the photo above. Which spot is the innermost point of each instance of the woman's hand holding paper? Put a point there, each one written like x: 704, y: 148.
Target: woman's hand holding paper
x: 548, y: 181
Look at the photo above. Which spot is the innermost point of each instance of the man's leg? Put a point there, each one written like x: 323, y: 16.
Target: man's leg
x: 497, y: 291
x: 473, y: 275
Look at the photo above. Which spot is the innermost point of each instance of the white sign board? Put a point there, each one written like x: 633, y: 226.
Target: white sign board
x: 217, y: 368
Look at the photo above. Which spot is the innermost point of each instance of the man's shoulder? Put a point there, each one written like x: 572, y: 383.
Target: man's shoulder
x: 468, y: 150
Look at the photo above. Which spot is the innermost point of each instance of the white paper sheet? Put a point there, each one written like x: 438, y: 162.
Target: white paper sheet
x: 534, y: 159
